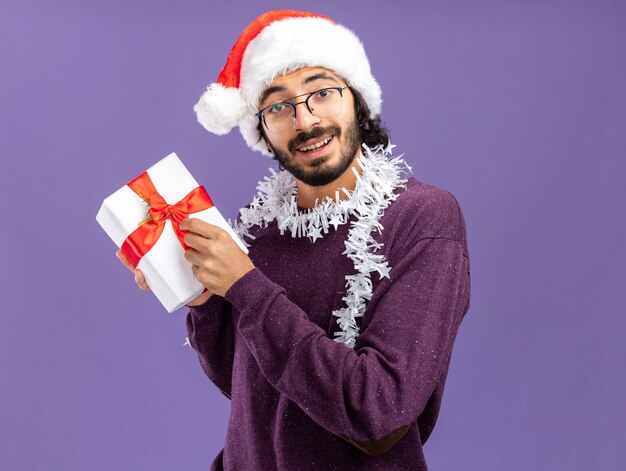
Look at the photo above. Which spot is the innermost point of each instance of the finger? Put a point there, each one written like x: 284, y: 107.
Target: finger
x: 124, y: 260
x: 195, y: 241
x: 141, y: 281
x: 193, y: 256
x: 199, y: 227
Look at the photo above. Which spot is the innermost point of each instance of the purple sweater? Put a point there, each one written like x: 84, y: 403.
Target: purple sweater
x: 303, y: 401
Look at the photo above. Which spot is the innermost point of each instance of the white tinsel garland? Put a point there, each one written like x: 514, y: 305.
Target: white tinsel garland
x: 276, y: 200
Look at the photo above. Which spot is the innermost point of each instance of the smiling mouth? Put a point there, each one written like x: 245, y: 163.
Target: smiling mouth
x: 316, y: 146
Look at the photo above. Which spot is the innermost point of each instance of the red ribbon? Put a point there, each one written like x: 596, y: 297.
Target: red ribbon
x: 142, y: 239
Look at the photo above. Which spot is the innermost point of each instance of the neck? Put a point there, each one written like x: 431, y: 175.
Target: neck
x: 307, y: 195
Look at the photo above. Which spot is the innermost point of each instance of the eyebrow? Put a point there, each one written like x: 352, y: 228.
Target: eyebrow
x: 312, y: 78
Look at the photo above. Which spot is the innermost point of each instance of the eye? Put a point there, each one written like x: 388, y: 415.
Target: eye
x: 277, y: 108
x: 324, y: 93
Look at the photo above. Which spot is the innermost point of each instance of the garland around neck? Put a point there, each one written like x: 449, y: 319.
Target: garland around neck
x: 374, y: 191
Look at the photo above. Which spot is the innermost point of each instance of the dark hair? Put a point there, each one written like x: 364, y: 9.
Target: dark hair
x: 372, y: 131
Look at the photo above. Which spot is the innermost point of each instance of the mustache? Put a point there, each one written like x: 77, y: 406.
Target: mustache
x: 315, y: 132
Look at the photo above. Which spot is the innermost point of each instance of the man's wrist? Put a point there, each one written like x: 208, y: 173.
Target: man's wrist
x: 201, y: 299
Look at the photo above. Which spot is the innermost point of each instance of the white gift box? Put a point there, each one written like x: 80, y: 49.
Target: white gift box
x: 165, y: 268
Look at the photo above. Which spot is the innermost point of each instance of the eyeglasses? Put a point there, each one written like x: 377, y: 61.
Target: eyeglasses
x: 325, y: 103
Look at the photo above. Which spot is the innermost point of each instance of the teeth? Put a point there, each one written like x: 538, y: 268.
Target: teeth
x: 315, y: 146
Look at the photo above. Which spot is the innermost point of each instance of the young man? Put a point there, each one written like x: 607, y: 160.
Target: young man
x: 333, y: 337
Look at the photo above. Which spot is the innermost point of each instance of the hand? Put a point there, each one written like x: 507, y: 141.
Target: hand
x: 217, y: 261
x: 141, y: 282
x: 139, y: 278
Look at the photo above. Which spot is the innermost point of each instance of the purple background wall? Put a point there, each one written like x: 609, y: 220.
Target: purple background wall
x: 517, y: 107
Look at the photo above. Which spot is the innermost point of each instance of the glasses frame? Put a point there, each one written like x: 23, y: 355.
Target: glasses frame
x: 259, y: 113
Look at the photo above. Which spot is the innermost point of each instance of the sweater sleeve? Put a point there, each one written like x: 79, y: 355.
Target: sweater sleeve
x: 210, y: 331
x: 372, y: 394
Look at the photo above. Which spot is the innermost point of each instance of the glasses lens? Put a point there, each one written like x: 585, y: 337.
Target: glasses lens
x: 278, y: 117
x: 326, y: 103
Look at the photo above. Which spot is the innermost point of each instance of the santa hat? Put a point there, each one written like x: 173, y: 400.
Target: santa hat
x: 275, y: 43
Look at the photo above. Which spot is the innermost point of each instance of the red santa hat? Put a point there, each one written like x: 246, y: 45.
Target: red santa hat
x: 276, y: 43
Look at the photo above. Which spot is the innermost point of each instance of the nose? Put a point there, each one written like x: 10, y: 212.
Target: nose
x: 304, y: 119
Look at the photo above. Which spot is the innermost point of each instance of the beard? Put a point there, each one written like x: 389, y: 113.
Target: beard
x: 318, y: 172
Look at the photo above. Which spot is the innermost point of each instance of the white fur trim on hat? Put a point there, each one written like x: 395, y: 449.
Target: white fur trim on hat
x: 219, y: 109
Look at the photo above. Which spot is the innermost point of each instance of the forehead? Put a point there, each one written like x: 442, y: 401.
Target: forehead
x: 298, y: 76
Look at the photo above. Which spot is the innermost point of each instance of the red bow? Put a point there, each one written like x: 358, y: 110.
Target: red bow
x: 142, y: 239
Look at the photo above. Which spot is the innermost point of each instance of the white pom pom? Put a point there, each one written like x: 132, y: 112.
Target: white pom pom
x: 219, y: 109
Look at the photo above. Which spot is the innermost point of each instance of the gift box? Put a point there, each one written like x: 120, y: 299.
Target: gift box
x: 142, y: 219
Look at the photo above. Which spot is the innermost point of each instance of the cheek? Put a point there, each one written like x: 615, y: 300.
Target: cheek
x: 276, y: 142
x: 348, y: 125
x: 281, y: 146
